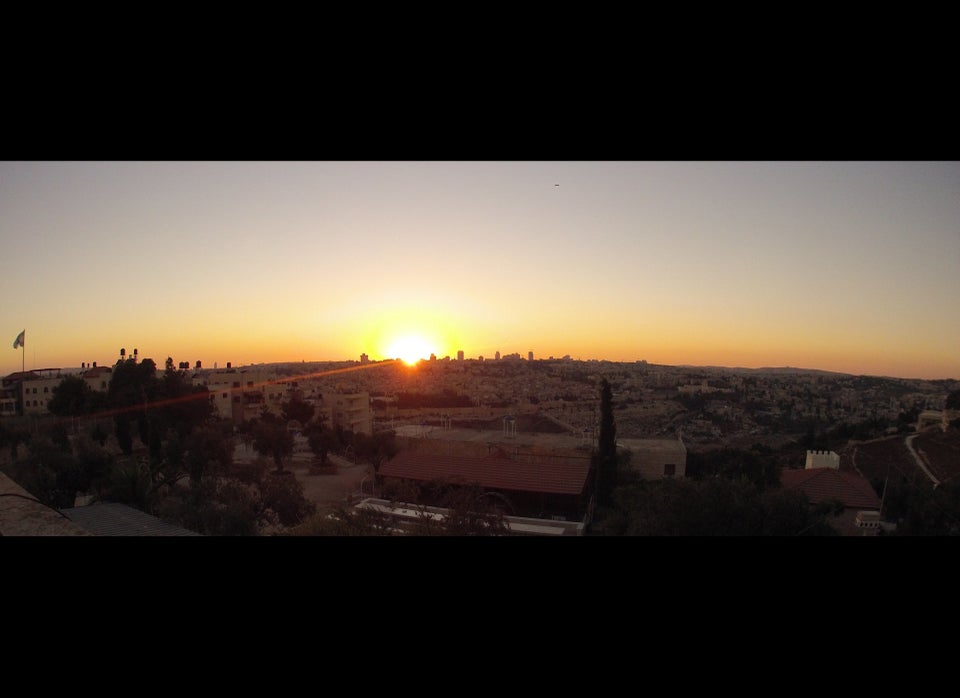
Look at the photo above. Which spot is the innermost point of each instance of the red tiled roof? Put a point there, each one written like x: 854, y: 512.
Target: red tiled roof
x: 97, y: 371
x: 493, y: 473
x: 20, y: 375
x: 820, y: 484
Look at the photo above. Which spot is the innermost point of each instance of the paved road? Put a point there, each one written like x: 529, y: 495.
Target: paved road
x: 908, y: 442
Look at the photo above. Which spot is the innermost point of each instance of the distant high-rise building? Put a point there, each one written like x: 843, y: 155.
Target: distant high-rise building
x: 497, y: 356
x: 433, y: 357
x: 460, y: 355
x: 529, y: 356
x: 364, y: 359
x: 480, y: 358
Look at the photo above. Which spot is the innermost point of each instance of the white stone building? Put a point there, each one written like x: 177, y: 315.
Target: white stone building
x: 822, y: 459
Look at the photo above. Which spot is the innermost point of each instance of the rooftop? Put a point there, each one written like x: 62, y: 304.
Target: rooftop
x: 820, y: 484
x: 22, y: 514
x: 97, y: 371
x: 112, y: 519
x: 515, y: 524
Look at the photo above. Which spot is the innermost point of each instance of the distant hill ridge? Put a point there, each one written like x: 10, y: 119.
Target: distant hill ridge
x: 767, y: 370
x: 770, y: 369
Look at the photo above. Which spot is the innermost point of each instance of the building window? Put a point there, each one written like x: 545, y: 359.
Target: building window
x: 249, y: 384
x: 224, y: 396
x: 46, y: 389
x: 669, y: 469
x: 103, y: 385
x: 34, y: 392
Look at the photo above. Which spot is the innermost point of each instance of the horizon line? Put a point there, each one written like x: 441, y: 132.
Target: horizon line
x: 523, y: 359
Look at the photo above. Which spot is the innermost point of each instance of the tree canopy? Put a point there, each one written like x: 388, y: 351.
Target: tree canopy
x: 180, y: 437
x: 953, y: 400
x: 711, y: 507
x: 73, y: 397
x: 272, y: 439
x: 297, y: 409
x: 761, y: 469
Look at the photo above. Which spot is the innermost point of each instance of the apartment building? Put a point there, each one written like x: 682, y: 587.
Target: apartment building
x: 351, y: 411
x: 241, y: 394
x: 37, y: 389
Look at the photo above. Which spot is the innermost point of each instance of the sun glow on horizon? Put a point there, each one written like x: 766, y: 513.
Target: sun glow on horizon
x: 410, y: 349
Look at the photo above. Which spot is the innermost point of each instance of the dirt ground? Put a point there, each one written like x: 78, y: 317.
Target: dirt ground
x: 328, y: 490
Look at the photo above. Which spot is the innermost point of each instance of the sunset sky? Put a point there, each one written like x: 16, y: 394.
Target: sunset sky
x: 851, y: 267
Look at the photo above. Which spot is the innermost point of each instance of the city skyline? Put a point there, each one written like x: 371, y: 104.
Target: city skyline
x: 839, y: 266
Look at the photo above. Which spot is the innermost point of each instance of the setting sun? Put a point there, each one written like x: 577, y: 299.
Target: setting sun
x: 410, y: 348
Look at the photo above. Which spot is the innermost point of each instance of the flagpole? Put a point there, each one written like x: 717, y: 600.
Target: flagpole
x: 21, y: 341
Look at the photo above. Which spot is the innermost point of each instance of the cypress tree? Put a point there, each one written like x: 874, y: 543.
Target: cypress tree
x: 605, y: 458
